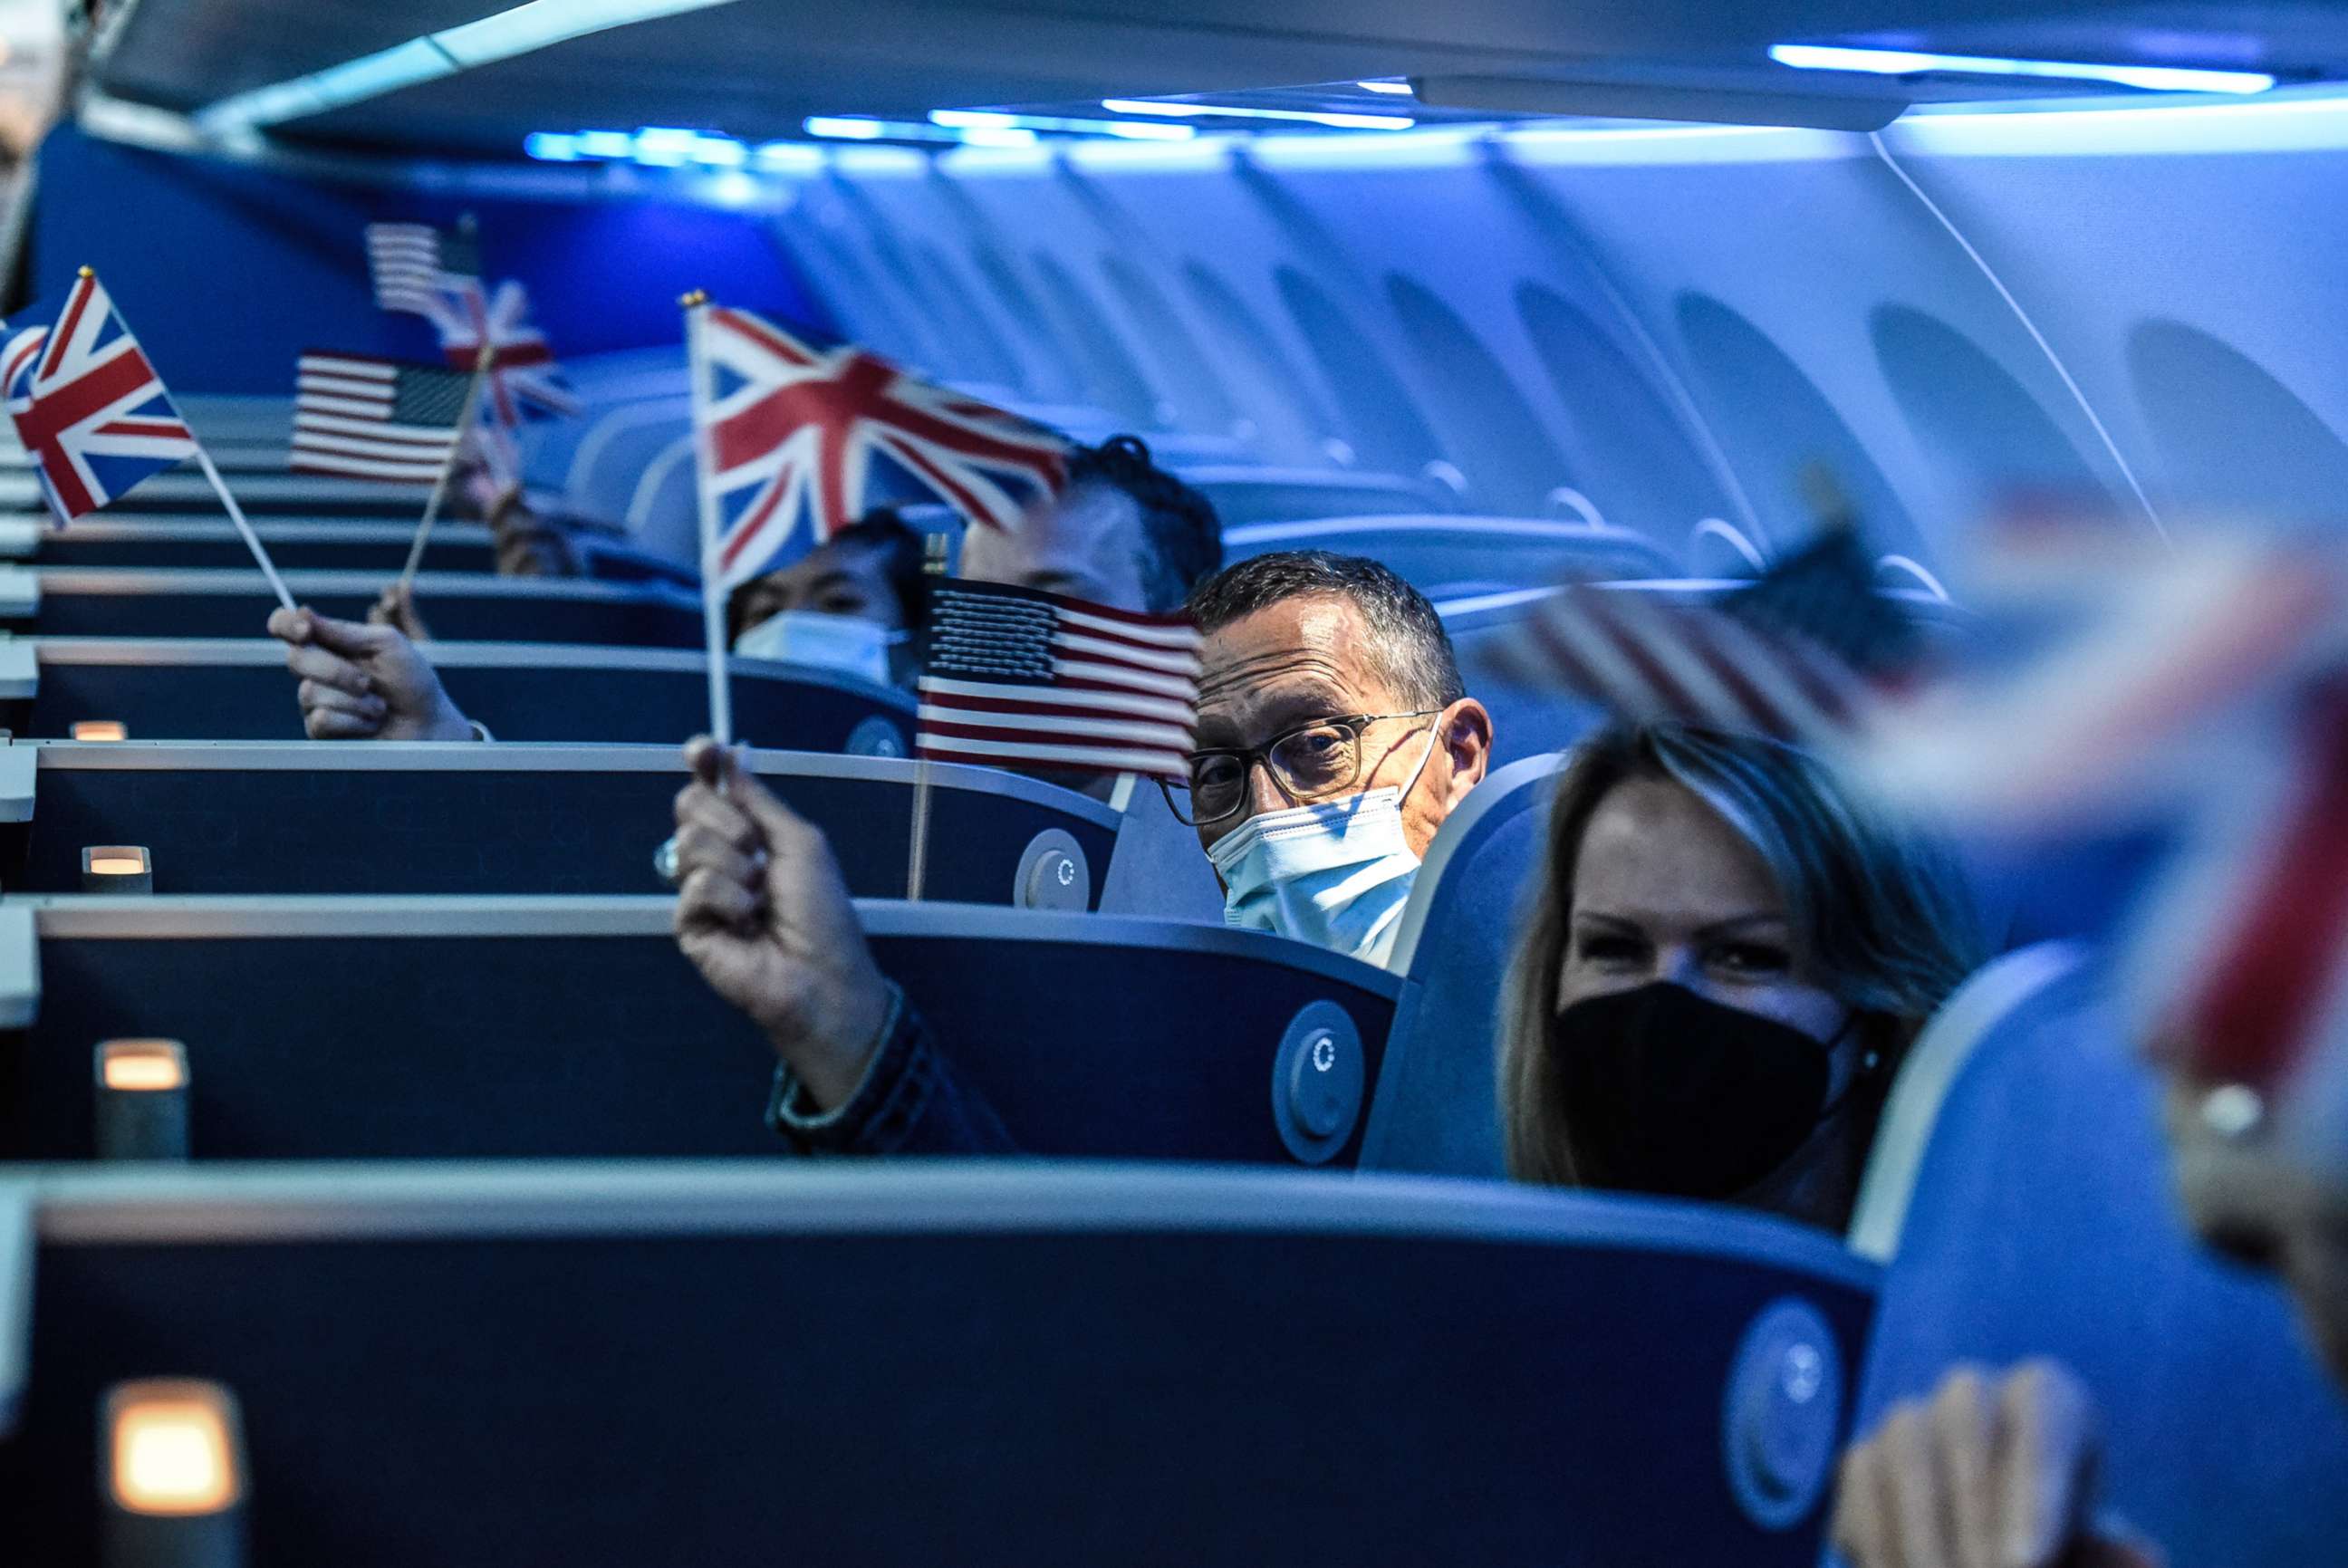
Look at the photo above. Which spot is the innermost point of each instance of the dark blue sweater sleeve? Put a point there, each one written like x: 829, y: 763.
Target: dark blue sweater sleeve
x: 911, y: 1101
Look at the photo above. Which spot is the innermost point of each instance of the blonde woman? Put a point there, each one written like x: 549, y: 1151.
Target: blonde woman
x: 1727, y: 960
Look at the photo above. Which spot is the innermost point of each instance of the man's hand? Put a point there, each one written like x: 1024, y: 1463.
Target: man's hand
x: 396, y: 607
x: 1990, y: 1472
x: 763, y: 914
x: 364, y: 682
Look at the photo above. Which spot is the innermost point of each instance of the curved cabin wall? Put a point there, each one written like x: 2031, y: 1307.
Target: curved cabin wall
x: 1779, y: 295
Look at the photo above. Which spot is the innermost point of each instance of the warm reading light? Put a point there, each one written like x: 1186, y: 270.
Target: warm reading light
x: 117, y: 869
x: 100, y: 729
x: 135, y: 1065
x: 174, y: 1447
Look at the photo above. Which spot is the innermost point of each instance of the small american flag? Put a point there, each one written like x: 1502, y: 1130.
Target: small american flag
x: 420, y: 270
x: 1020, y: 679
x: 370, y: 418
x: 1793, y: 656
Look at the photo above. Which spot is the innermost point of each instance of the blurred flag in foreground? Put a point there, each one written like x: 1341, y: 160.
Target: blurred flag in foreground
x: 2204, y: 687
x: 2106, y: 679
x: 369, y: 418
x: 1797, y: 656
x: 92, y: 414
x: 1019, y: 678
x: 791, y: 432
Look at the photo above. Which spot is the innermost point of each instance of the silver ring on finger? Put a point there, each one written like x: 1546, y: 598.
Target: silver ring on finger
x: 664, y: 864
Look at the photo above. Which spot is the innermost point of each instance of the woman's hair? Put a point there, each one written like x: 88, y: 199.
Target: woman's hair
x: 1881, y: 918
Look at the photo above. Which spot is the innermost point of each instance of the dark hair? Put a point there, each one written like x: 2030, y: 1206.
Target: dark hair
x: 1407, y: 642
x: 1181, y: 537
x: 901, y: 548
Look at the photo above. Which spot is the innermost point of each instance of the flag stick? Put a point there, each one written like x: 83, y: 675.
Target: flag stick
x: 236, y: 516
x: 917, y: 851
x: 713, y: 593
x: 448, y: 464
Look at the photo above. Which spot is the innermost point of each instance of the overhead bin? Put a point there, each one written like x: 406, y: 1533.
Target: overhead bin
x: 128, y: 602
x: 388, y: 1027
x: 419, y: 818
x: 472, y: 1366
x: 239, y: 689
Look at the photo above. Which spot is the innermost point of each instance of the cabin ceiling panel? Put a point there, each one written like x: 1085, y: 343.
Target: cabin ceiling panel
x: 755, y: 68
x: 184, y: 54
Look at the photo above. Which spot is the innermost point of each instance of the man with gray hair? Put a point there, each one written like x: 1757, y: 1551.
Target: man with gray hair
x: 1334, y: 739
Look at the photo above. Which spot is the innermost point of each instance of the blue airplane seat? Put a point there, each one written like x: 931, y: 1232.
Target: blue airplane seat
x: 2021, y: 1199
x: 1448, y: 556
x: 1246, y: 494
x: 1158, y: 869
x: 1528, y: 719
x: 912, y: 1362
x: 1437, y: 1109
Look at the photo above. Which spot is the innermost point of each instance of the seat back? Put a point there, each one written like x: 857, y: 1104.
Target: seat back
x: 1248, y: 494
x: 125, y: 602
x: 404, y: 818
x: 1158, y: 868
x: 1436, y: 1108
x: 238, y: 689
x: 387, y: 1027
x: 186, y: 491
x: 295, y: 545
x: 2020, y: 1196
x: 1087, y: 1365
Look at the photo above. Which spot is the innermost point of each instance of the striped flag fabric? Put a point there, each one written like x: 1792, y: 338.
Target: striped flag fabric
x: 418, y: 269
x: 2108, y: 682
x: 1796, y: 657
x: 1020, y: 679
x: 360, y: 417
x: 2237, y: 975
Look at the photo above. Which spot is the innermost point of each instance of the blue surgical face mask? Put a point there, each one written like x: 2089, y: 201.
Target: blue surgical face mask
x: 849, y: 643
x: 1335, y: 874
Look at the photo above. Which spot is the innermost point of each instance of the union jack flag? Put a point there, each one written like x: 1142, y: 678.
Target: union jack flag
x: 1796, y: 657
x: 2204, y: 689
x: 89, y: 408
x: 791, y: 430
x: 523, y: 378
x: 1015, y: 677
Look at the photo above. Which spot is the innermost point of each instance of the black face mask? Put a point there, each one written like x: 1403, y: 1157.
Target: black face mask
x: 1672, y: 1094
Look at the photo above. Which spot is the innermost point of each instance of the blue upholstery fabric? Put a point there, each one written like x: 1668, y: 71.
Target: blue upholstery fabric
x: 2044, y: 1223
x: 1436, y: 1108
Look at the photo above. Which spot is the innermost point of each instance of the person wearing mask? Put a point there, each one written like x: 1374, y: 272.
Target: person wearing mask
x: 1122, y: 532
x: 1727, y: 960
x: 1335, y: 685
x: 369, y: 681
x: 1335, y: 736
x: 856, y: 605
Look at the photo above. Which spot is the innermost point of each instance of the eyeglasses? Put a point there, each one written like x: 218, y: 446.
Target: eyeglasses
x: 1312, y: 762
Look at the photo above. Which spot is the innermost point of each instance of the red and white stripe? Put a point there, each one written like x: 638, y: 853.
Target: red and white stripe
x: 341, y: 424
x: 1123, y: 698
x: 1646, y: 655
